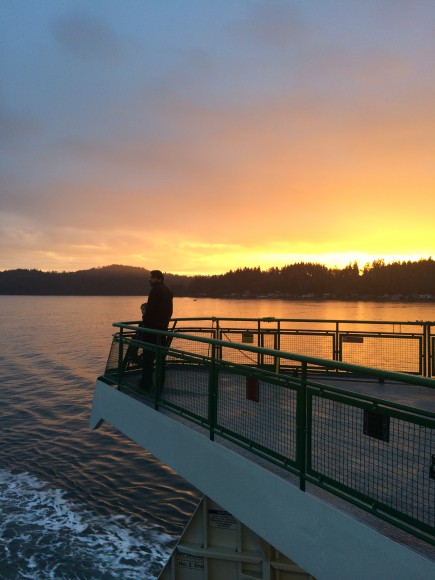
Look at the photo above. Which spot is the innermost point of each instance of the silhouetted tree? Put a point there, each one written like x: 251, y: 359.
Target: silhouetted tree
x: 405, y: 279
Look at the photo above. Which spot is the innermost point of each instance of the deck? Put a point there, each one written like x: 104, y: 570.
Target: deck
x: 345, y: 441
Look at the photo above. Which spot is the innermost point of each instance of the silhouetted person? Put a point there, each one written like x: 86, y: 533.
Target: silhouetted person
x: 157, y: 314
x: 132, y: 357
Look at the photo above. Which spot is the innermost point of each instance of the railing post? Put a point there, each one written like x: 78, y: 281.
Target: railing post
x: 212, y: 392
x: 425, y: 350
x: 301, y: 427
x: 120, y: 355
x: 159, y: 371
x: 336, y: 351
x: 430, y: 350
x: 217, y: 351
x: 260, y: 342
x: 277, y: 346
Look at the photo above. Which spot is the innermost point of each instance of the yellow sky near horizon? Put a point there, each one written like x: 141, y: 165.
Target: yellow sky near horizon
x: 213, y: 138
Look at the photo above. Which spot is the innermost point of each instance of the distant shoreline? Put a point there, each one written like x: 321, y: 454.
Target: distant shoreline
x: 394, y: 300
x: 408, y: 282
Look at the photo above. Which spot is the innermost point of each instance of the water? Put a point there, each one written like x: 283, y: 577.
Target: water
x: 82, y: 504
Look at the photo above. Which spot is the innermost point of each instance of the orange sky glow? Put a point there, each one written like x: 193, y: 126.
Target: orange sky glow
x: 217, y: 136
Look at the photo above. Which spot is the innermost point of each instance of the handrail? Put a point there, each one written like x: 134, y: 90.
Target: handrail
x: 326, y: 363
x: 329, y: 320
x: 322, y: 423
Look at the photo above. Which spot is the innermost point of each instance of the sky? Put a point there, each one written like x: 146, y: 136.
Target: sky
x: 200, y: 136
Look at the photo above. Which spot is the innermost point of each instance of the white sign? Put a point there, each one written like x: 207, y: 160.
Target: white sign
x: 189, y: 561
x: 221, y: 519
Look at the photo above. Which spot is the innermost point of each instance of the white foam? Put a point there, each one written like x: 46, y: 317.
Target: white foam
x: 42, y: 532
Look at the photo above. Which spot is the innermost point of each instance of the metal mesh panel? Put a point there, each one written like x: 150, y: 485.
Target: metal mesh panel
x: 132, y: 359
x: 432, y: 354
x: 186, y: 387
x: 269, y: 423
x: 130, y: 354
x: 240, y: 356
x: 396, y: 353
x: 309, y: 344
x: 112, y: 361
x: 393, y: 470
x: 269, y: 340
x: 191, y: 346
x: 264, y: 339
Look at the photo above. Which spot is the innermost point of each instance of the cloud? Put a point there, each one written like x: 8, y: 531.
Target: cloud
x: 272, y: 24
x: 234, y: 170
x: 86, y: 37
x: 16, y: 129
x: 256, y: 130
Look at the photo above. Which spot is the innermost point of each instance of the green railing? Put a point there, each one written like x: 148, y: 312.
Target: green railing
x: 399, y: 346
x: 431, y: 348
x: 340, y: 426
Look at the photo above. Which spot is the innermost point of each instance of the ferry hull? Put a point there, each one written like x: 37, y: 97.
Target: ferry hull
x: 322, y: 540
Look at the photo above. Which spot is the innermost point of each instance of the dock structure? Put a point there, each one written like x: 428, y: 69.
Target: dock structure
x: 310, y: 467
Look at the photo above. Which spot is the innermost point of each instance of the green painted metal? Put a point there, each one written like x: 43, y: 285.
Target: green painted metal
x: 262, y: 351
x: 213, y: 393
x: 306, y: 421
x: 301, y: 428
x: 395, y: 346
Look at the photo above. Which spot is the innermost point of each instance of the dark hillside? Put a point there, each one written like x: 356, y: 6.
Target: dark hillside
x: 378, y: 281
x: 110, y: 280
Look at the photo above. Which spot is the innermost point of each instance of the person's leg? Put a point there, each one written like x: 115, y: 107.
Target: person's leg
x: 160, y: 361
x: 148, y: 357
x: 166, y: 343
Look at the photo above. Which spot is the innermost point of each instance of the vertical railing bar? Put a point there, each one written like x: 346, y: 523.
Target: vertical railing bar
x: 426, y: 347
x: 212, y: 393
x: 309, y: 431
x: 219, y: 337
x: 277, y: 343
x: 120, y: 355
x: 301, y: 427
x: 159, y: 372
x: 431, y: 357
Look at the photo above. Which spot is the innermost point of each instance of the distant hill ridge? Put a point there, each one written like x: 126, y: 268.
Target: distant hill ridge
x: 396, y: 281
x: 108, y: 280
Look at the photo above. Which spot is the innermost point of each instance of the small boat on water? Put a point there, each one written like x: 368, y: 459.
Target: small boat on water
x: 310, y: 466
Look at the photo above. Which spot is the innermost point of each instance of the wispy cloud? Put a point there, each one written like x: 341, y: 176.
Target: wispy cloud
x: 220, y: 134
x: 86, y: 37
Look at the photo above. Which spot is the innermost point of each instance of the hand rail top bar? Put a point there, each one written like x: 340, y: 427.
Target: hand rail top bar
x: 326, y: 363
x: 329, y: 320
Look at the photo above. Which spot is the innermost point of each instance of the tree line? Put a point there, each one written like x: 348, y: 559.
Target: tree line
x: 398, y: 280
x: 112, y: 280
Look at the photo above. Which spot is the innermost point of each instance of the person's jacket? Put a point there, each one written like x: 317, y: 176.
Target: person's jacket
x: 159, y: 307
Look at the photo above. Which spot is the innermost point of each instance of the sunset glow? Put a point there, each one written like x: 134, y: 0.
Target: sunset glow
x: 201, y: 137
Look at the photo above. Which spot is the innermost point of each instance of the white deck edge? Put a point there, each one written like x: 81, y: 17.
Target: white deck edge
x: 324, y: 541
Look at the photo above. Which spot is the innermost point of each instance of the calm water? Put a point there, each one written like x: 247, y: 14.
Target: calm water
x: 81, y: 504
